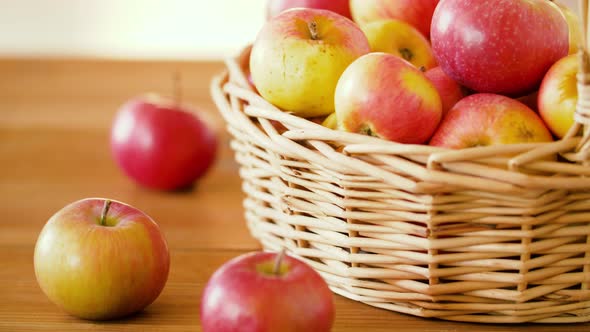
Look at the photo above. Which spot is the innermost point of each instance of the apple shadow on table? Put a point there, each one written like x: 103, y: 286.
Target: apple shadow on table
x: 185, y: 190
x: 143, y: 315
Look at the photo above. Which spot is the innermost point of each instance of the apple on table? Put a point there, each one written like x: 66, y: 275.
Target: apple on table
x: 385, y: 96
x: 506, y: 51
x: 275, y: 7
x: 263, y: 291
x: 299, y: 55
x: 162, y: 144
x: 484, y: 119
x: 101, y: 259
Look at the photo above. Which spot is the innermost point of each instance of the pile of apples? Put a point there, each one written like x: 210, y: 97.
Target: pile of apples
x: 448, y: 73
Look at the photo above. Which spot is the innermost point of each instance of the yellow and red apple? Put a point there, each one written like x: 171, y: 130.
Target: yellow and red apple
x: 498, y: 46
x: 489, y: 119
x: 400, y: 39
x: 299, y: 55
x: 385, y: 96
x: 558, y: 95
x: 449, y: 90
x: 101, y: 259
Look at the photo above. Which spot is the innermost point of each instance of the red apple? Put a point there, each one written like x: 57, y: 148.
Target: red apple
x: 275, y: 7
x: 558, y: 95
x: 417, y: 13
x: 385, y: 96
x: 161, y: 144
x: 498, y: 46
x: 261, y: 292
x: 299, y: 55
x: 101, y: 259
x: 488, y: 119
x: 449, y: 90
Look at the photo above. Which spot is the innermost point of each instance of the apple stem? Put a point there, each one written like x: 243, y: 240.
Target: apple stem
x: 406, y: 54
x: 366, y: 130
x: 177, y: 87
x: 105, y: 210
x: 313, y: 30
x: 278, y: 260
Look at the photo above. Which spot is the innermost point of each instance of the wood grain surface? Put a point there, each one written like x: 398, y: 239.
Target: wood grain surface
x: 55, y: 117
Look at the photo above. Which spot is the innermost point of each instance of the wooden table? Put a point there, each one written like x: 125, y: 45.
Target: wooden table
x: 55, y: 117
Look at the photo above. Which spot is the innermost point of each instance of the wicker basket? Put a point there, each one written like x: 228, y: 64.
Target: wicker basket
x: 495, y: 234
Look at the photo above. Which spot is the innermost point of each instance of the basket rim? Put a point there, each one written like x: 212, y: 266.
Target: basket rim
x: 242, y: 64
x: 567, y: 172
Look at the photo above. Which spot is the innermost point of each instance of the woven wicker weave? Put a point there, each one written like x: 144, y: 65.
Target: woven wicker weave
x: 489, y: 234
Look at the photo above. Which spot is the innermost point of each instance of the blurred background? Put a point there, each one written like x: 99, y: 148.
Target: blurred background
x: 131, y: 29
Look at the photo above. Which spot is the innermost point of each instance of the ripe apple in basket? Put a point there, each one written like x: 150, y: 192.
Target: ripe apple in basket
x: 262, y: 291
x: 101, y: 259
x: 275, y: 7
x: 401, y: 39
x: 161, y: 144
x: 488, y: 119
x: 558, y: 95
x: 299, y: 55
x: 385, y: 96
x: 417, y: 13
x: 498, y: 46
x: 449, y: 90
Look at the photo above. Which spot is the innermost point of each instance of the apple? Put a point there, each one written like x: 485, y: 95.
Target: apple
x: 401, y: 39
x: 449, y: 90
x: 330, y: 121
x: 489, y: 119
x: 417, y: 13
x: 101, y: 259
x: 264, y: 291
x: 558, y: 95
x: 574, y: 27
x: 498, y: 46
x: 385, y: 96
x: 275, y: 7
x: 299, y: 55
x: 161, y: 144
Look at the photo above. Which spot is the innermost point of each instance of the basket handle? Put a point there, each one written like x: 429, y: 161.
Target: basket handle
x: 582, y: 114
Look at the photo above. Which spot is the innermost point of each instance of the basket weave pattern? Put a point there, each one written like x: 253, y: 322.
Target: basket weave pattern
x: 495, y: 234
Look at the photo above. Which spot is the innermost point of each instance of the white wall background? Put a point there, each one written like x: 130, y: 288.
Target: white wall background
x: 128, y: 28
x: 165, y: 29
